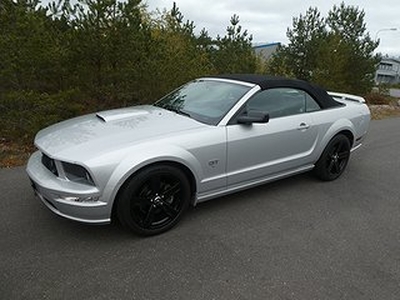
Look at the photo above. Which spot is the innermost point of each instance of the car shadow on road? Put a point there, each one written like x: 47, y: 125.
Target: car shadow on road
x: 194, y: 219
x: 254, y: 194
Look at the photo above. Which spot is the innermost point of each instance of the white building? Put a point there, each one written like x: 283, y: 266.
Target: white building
x: 388, y: 71
x: 266, y: 50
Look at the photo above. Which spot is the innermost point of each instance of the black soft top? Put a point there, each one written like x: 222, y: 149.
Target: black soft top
x: 266, y: 82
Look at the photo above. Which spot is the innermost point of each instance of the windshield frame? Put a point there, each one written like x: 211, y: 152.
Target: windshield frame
x: 242, y: 88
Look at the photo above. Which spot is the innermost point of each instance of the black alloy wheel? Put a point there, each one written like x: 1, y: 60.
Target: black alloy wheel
x: 154, y: 200
x: 334, y: 159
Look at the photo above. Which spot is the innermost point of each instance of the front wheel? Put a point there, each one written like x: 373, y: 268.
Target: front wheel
x: 154, y: 200
x: 334, y: 159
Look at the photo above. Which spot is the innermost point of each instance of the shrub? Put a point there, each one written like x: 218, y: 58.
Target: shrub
x: 375, y: 98
x: 23, y: 113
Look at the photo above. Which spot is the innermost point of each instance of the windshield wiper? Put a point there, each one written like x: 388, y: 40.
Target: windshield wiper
x: 182, y: 112
x: 177, y: 110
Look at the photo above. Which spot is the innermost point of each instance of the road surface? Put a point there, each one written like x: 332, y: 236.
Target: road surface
x: 294, y: 239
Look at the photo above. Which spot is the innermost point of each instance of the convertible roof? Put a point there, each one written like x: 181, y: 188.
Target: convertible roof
x: 266, y: 82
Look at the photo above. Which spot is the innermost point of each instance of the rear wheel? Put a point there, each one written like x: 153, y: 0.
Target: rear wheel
x: 154, y: 200
x: 334, y: 159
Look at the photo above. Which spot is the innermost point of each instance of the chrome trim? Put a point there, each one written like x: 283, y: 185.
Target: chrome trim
x: 238, y: 105
x: 355, y: 147
x: 228, y: 80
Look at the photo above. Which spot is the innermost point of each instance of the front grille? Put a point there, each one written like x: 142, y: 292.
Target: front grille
x: 49, y: 164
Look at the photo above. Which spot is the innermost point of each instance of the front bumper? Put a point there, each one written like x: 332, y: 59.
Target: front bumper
x: 57, y: 195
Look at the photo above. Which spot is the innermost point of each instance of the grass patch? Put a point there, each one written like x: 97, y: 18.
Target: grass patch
x: 13, y: 154
x: 379, y: 112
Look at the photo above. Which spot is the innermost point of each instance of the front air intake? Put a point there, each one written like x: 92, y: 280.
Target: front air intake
x: 50, y: 164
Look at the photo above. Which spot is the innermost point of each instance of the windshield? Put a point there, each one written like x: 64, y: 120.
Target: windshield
x: 206, y: 101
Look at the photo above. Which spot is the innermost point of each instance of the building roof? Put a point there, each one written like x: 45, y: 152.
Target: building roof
x: 391, y: 59
x: 267, y: 45
x: 265, y: 51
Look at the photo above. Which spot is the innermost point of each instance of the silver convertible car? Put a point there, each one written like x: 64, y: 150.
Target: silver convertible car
x: 144, y: 165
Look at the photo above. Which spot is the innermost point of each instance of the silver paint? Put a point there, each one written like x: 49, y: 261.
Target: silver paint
x: 113, y: 145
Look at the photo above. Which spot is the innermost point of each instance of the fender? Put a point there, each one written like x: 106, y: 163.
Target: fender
x: 144, y: 155
x: 334, y: 129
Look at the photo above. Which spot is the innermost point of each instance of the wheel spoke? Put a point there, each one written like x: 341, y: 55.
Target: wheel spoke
x: 155, y: 184
x: 338, y: 147
x: 330, y: 154
x: 337, y: 166
x: 149, y: 217
x: 168, y: 209
x: 139, y: 200
x: 331, y: 165
x: 343, y: 155
x: 172, y: 191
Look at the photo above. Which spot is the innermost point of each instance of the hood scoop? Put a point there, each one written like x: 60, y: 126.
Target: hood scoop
x: 115, y: 115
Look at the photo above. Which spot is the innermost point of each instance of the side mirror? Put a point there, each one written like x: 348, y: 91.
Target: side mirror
x: 253, y: 116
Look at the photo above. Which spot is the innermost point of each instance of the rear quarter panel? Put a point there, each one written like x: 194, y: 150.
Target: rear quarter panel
x: 353, y: 117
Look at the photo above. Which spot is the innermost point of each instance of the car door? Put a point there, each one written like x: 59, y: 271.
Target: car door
x: 286, y: 142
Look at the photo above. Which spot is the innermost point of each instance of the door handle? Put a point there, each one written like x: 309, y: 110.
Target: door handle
x: 303, y: 126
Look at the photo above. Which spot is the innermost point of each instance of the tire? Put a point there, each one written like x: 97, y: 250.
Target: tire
x: 334, y: 159
x: 154, y: 200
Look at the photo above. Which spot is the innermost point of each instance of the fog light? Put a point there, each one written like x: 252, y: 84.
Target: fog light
x: 78, y: 199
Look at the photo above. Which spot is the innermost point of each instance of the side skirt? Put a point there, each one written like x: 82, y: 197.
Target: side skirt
x: 249, y: 184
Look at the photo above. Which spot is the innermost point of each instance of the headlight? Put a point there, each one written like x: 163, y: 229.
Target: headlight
x: 77, y: 173
x: 50, y: 164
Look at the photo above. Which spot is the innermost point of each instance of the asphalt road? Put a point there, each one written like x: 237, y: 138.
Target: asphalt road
x: 294, y: 239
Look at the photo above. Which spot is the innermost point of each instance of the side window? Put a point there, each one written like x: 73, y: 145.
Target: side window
x: 280, y: 102
x: 311, y: 104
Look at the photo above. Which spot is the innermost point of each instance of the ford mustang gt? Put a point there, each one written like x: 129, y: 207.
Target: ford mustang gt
x: 144, y: 165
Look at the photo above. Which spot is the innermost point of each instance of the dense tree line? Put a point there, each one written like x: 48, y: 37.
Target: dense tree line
x: 335, y: 52
x: 63, y: 59
x: 67, y: 59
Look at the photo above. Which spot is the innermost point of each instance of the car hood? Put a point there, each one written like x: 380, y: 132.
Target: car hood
x: 85, y: 136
